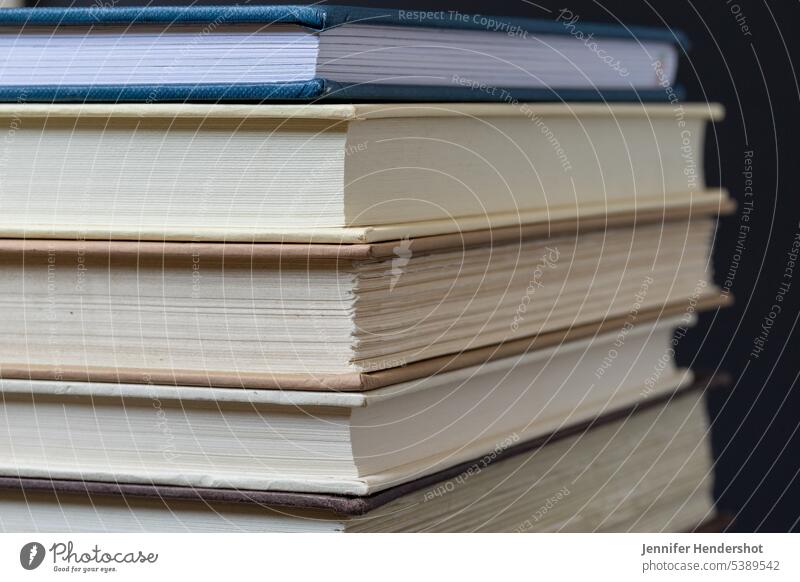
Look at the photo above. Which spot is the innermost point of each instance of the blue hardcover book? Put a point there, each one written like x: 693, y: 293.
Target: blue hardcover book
x: 332, y: 53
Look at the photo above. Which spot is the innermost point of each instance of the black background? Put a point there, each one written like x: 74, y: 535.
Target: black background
x: 756, y: 431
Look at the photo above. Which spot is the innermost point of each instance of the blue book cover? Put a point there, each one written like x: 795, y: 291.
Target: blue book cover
x: 425, y: 56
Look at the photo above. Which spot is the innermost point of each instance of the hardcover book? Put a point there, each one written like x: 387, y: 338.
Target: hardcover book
x: 331, y: 316
x: 283, y: 53
x: 341, y: 173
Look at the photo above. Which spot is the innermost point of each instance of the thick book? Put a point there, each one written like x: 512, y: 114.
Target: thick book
x: 282, y: 53
x: 332, y: 317
x: 644, y: 467
x: 341, y: 173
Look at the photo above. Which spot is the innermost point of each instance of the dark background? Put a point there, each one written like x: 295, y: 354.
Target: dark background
x: 749, y: 70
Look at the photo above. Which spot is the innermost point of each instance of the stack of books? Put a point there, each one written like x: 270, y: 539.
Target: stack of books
x: 348, y: 307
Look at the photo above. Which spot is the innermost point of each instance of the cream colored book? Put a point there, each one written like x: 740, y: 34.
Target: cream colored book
x: 329, y: 442
x: 326, y: 316
x: 637, y: 469
x: 340, y: 173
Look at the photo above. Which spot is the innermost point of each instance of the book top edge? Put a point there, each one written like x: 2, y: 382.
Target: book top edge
x: 353, y: 112
x: 324, y: 17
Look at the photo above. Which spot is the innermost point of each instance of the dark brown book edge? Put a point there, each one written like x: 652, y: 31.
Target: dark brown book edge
x: 339, y: 504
